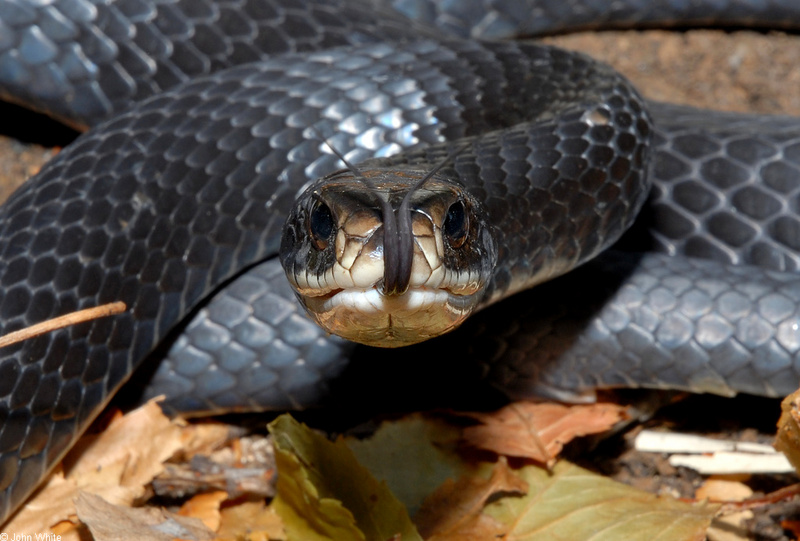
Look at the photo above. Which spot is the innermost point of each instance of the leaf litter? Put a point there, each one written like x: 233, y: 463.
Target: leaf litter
x: 345, y: 489
x: 490, y: 499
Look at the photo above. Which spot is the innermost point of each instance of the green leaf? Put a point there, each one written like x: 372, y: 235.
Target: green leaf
x: 576, y: 504
x: 324, y: 493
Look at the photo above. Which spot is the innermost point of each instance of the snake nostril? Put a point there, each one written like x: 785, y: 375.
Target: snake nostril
x: 456, y: 224
x: 321, y: 225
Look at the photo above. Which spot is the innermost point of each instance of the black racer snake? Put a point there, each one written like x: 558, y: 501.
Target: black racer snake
x: 164, y: 202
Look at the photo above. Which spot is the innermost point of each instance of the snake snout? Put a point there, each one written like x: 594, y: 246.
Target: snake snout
x: 377, y: 259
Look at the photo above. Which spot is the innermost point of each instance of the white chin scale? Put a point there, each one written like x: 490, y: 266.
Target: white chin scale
x: 369, y: 317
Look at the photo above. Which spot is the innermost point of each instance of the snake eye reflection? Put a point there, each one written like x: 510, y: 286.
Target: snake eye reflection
x: 320, y: 225
x: 456, y: 224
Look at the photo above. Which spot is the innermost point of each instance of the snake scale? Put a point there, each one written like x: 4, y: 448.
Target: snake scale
x: 173, y: 197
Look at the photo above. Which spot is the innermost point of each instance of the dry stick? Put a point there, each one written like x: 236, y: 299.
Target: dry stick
x: 73, y: 318
x: 782, y: 494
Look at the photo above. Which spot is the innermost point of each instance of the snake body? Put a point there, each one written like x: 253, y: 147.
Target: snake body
x: 180, y: 193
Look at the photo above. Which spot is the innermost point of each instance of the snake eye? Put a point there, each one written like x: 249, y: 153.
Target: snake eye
x: 320, y: 225
x: 456, y: 224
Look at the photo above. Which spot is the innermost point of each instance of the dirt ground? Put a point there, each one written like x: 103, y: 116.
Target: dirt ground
x: 740, y: 71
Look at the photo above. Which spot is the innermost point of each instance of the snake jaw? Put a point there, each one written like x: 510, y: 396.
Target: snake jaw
x: 372, y: 318
x: 436, y: 302
x: 339, y: 275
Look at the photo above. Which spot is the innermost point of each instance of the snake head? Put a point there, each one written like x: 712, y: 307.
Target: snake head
x: 378, y: 259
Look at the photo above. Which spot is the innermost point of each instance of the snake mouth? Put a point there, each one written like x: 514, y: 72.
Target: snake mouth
x: 367, y: 316
x: 372, y: 298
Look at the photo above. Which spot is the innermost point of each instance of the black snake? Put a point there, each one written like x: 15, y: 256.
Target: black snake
x: 175, y: 196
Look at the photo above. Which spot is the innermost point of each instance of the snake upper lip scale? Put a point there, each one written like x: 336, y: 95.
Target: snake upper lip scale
x: 168, y: 198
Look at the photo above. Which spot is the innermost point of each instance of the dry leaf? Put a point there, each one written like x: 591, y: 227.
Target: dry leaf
x: 455, y: 510
x: 121, y: 460
x: 788, y: 439
x: 730, y: 527
x: 792, y: 526
x: 539, y: 431
x: 251, y: 521
x: 69, y: 531
x: 117, y: 464
x: 51, y: 504
x: 109, y: 522
x: 723, y: 490
x: 205, y: 507
x: 205, y: 438
x: 572, y: 503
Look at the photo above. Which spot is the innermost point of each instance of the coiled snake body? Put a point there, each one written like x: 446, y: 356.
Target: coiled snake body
x: 172, y: 198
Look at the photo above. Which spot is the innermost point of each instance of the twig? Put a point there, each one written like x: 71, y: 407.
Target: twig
x: 782, y: 494
x: 73, y: 318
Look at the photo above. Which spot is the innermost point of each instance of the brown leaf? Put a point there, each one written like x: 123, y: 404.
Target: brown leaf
x: 539, y: 431
x: 109, y: 522
x: 117, y: 464
x: 126, y: 455
x: 70, y: 531
x: 716, y: 489
x: 205, y: 438
x: 455, y: 509
x: 52, y: 503
x: 787, y: 440
x: 205, y: 507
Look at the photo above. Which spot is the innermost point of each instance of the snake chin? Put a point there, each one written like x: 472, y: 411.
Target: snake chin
x: 369, y: 317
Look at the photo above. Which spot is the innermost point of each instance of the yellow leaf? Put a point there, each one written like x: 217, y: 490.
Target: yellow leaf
x: 414, y: 455
x: 324, y: 493
x: 250, y: 521
x: 573, y: 503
